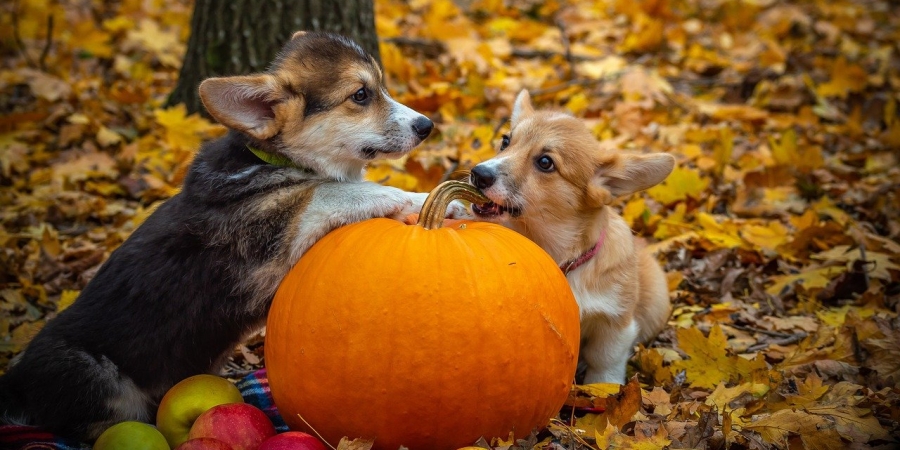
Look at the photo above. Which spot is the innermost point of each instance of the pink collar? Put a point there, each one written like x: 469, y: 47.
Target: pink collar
x: 575, y: 263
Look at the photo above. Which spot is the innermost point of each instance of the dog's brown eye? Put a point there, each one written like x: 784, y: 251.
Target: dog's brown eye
x: 504, y: 142
x: 360, y: 96
x: 544, y: 164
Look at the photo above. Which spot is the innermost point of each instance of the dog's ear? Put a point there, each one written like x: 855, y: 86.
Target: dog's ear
x: 300, y: 33
x: 628, y: 173
x: 522, y: 107
x: 244, y: 103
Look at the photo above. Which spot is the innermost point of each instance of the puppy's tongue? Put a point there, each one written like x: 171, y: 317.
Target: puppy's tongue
x: 487, y: 209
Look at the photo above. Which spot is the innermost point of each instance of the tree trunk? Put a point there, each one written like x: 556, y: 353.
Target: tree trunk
x: 238, y: 37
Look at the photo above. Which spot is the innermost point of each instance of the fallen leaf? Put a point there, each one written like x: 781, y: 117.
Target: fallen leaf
x: 709, y: 363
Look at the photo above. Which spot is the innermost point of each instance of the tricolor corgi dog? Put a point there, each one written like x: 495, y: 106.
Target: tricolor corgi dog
x: 554, y: 183
x: 200, y: 273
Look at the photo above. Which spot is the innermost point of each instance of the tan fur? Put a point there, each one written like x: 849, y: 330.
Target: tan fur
x: 622, y: 290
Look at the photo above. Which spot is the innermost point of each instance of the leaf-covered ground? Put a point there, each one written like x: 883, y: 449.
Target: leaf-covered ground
x: 778, y: 229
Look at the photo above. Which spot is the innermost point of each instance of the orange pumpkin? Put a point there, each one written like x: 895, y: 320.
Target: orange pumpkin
x: 428, y: 338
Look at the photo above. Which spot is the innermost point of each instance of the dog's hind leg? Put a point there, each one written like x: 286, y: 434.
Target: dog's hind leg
x: 70, y: 392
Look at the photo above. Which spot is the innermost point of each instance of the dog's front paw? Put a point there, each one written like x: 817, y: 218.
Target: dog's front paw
x: 399, y: 204
x: 458, y: 210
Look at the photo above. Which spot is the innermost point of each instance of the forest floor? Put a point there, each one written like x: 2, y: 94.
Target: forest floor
x: 778, y: 228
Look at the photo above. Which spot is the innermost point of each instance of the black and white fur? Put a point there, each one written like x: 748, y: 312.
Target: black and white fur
x: 200, y: 273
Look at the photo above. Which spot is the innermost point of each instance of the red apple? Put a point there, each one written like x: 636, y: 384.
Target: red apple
x: 292, y: 440
x: 239, y: 425
x: 204, y: 443
x: 185, y: 401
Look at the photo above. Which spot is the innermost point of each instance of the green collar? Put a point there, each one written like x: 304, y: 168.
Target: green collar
x: 275, y: 160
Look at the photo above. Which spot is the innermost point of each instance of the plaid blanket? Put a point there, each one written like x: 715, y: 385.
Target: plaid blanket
x: 254, y: 388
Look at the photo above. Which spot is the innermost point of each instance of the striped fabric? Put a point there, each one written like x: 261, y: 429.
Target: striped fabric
x: 254, y: 388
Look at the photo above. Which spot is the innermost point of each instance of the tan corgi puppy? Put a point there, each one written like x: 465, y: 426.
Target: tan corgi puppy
x: 554, y: 183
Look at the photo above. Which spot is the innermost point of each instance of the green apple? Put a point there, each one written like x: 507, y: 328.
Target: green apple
x: 131, y: 436
x: 185, y: 401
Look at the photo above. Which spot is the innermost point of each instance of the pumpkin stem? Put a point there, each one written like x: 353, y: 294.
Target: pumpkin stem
x: 435, y: 207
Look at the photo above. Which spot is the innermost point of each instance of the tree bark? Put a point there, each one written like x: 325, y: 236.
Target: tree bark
x: 237, y: 37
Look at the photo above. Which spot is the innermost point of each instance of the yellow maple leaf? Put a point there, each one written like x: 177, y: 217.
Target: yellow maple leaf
x: 91, y: 39
x: 578, y: 103
x: 709, y: 362
x: 118, y: 24
x: 591, y: 424
x: 478, y: 148
x: 674, y: 224
x: 845, y: 79
x: 384, y: 172
x: 183, y: 131
x: 601, y: 390
x: 650, y: 362
x: 647, y: 34
x: 723, y: 149
x: 22, y: 334
x: 880, y: 263
x: 682, y: 183
x: 776, y: 428
x: 658, y: 441
x: 723, y: 396
x: 724, y: 235
x: 767, y: 237
x: 810, y: 278
x: 788, y: 151
x: 610, y: 437
x: 809, y: 391
x: 602, y: 68
x: 726, y: 112
x: 163, y: 44
x: 827, y: 207
x: 783, y: 149
x: 444, y: 20
x: 66, y: 298
x: 633, y: 210
x: 107, y: 137
x: 835, y: 317
x: 853, y: 423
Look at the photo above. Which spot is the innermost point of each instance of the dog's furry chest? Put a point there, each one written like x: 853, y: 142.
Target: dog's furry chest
x: 606, y: 301
x: 185, y: 285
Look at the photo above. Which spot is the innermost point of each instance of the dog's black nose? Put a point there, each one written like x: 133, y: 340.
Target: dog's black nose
x: 422, y: 126
x: 482, y: 176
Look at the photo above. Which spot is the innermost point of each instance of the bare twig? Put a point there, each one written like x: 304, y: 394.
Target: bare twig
x: 525, y: 53
x: 18, y: 37
x: 43, y: 58
x: 792, y: 339
x: 862, y: 258
x: 20, y: 44
x: 777, y: 334
x: 563, y: 86
x: 564, y: 37
x: 430, y: 47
